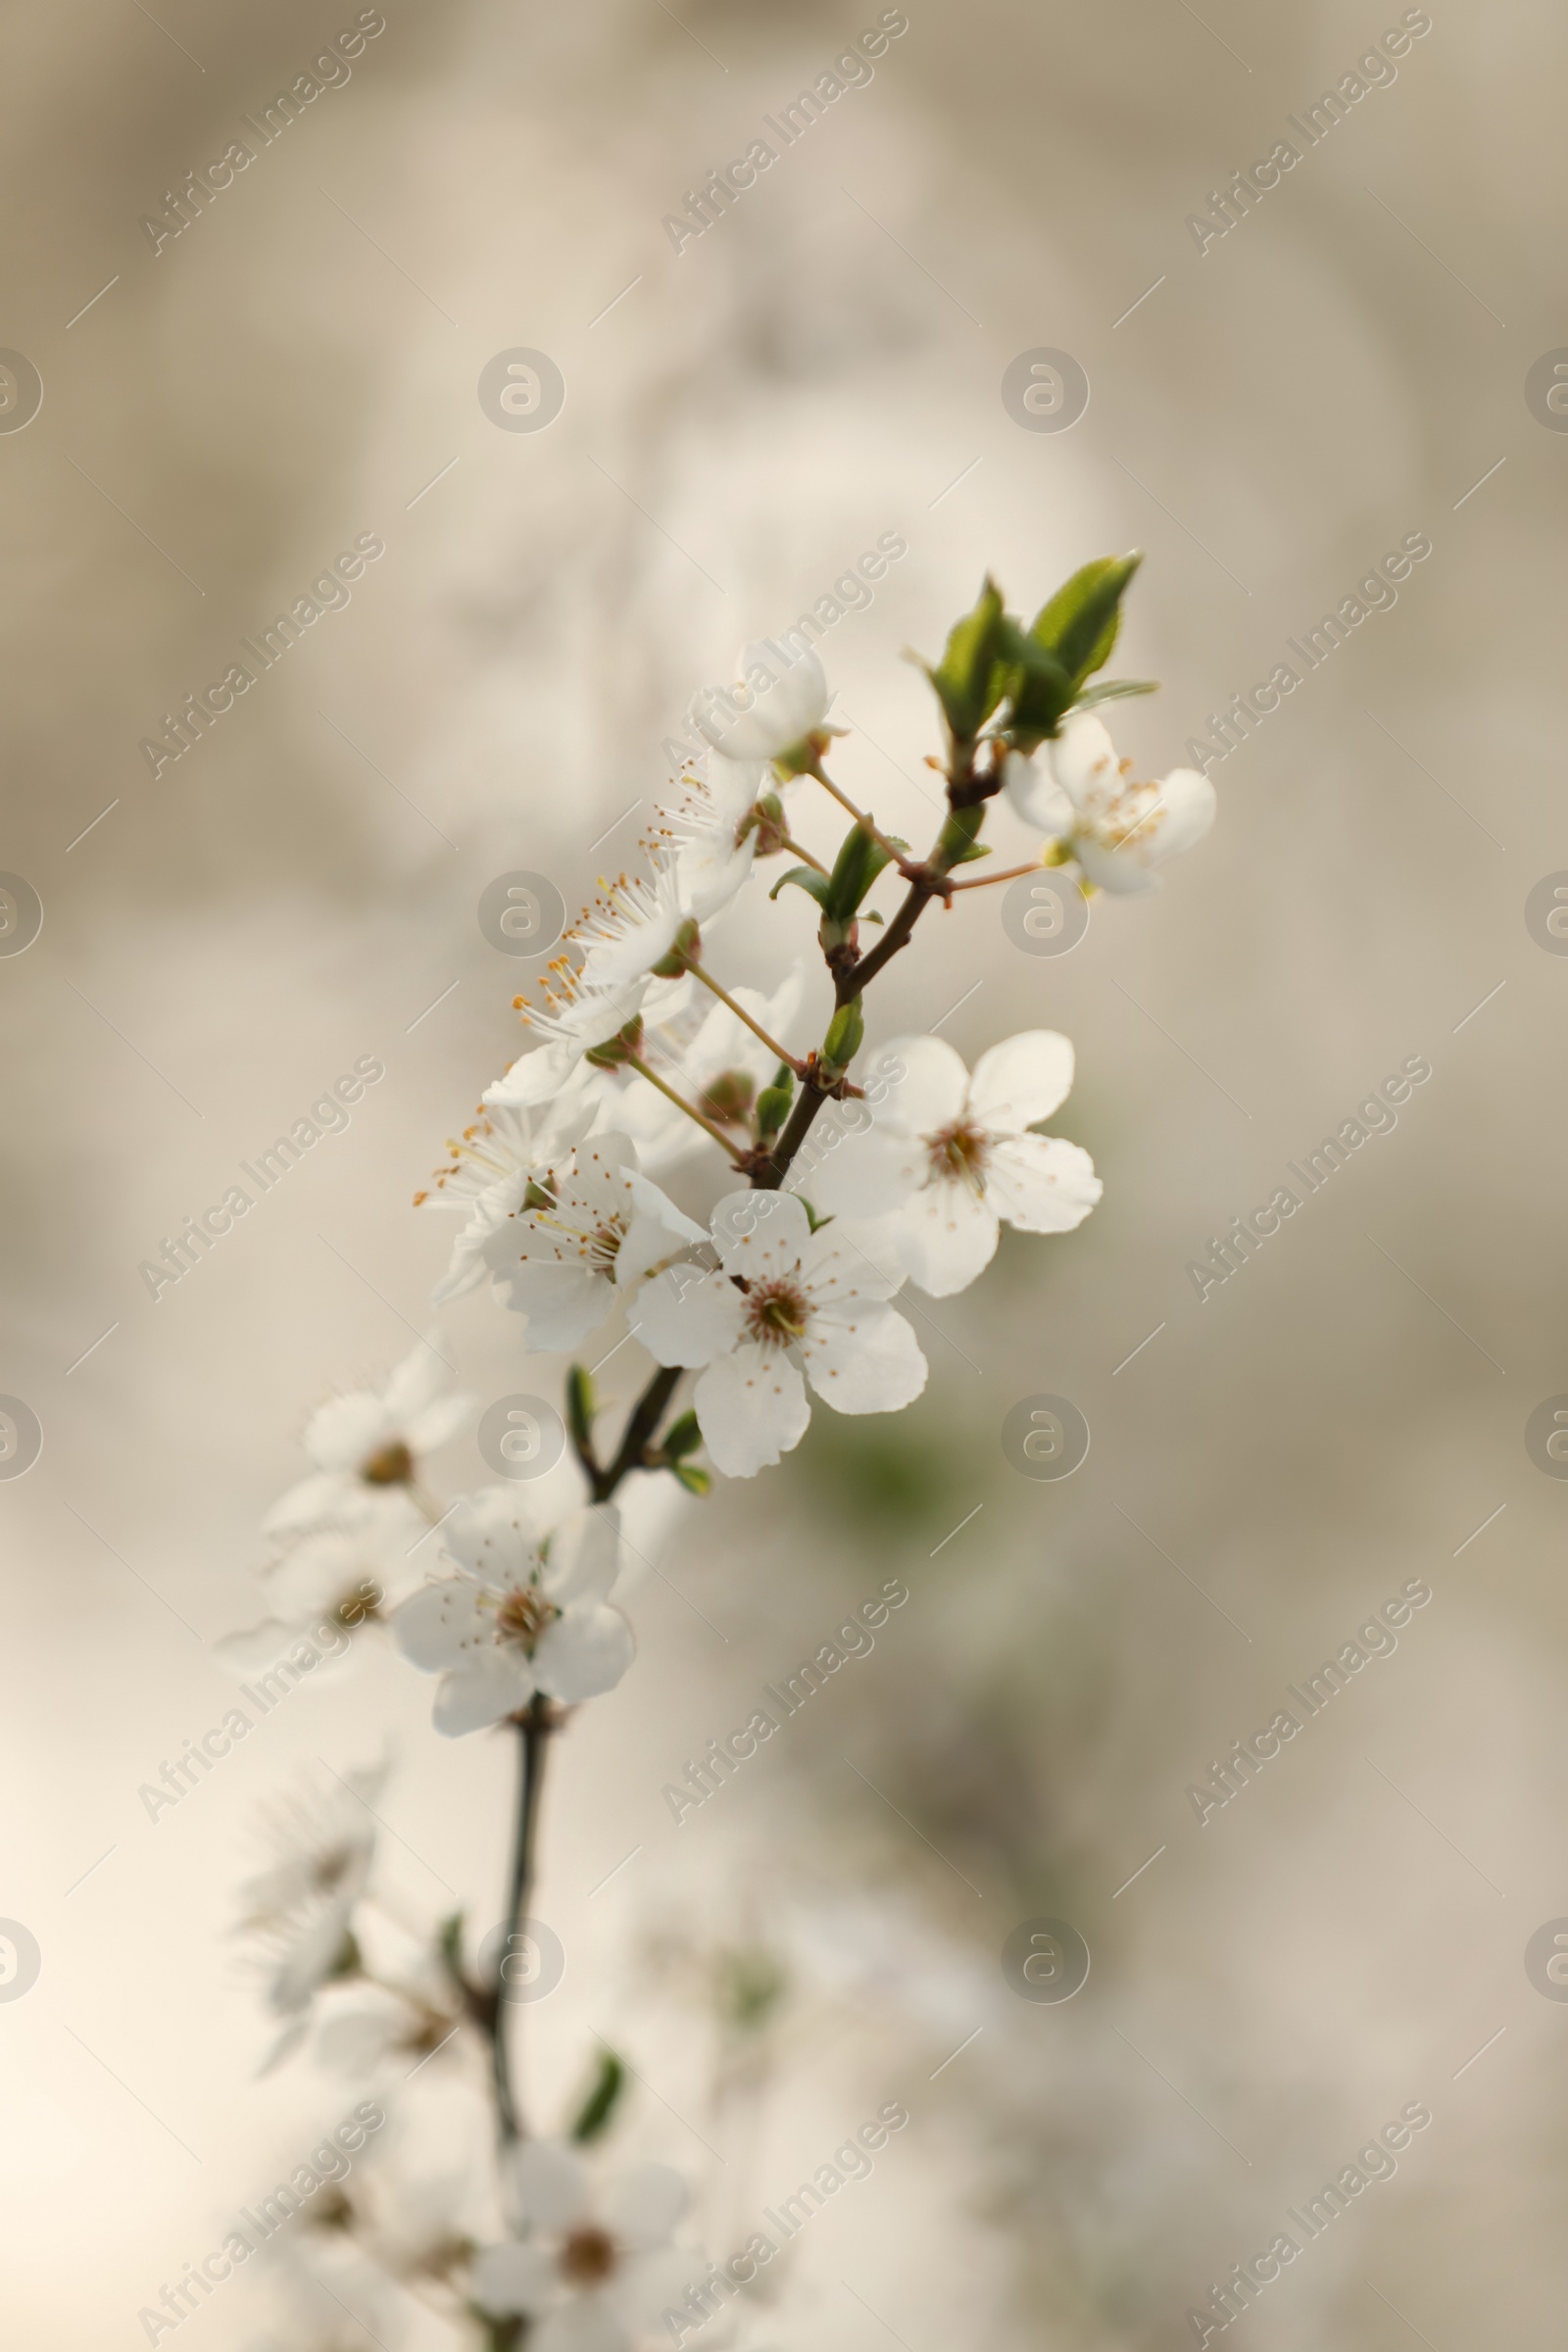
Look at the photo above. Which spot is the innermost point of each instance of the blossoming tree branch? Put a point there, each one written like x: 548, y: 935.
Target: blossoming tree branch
x: 844, y: 1172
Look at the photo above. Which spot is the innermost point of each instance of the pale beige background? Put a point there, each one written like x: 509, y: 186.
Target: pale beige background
x: 754, y: 412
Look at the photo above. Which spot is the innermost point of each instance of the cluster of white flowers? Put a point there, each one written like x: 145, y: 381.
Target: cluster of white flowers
x: 782, y: 1289
x: 640, y: 1059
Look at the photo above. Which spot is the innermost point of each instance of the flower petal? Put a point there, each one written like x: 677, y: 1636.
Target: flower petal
x: 256, y: 1647
x: 442, y: 1625
x: 1083, y: 759
x: 417, y: 1381
x: 650, y: 2284
x: 495, y: 1682
x: 1116, y: 870
x: 1023, y: 1079
x: 751, y: 1408
x: 584, y: 1556
x: 330, y: 1496
x: 864, y: 1176
x: 584, y: 1652
x: 587, y: 2322
x: 659, y: 1230
x: 547, y: 2184
x: 780, y: 697
x: 947, y: 1236
x: 561, y: 1303
x: 642, y: 2206
x: 514, y: 2278
x: 926, y: 1084
x: 343, y: 1430
x: 1190, y: 806
x: 1035, y: 794
x: 758, y: 1234
x: 852, y: 1259
x: 495, y: 1535
x: 688, y: 1317
x: 1042, y: 1183
x: 436, y: 1422
x: 865, y: 1361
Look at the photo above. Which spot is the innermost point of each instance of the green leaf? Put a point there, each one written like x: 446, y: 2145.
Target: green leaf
x: 1078, y: 626
x: 752, y: 1985
x: 804, y: 877
x: 967, y: 681
x: 971, y: 851
x: 1039, y: 690
x: 861, y: 858
x: 594, y: 2115
x: 693, y: 1477
x: 1112, y: 690
x: 682, y: 1437
x: 449, y: 1943
x: 957, y: 842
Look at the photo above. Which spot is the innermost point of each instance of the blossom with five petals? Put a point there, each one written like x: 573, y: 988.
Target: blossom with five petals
x: 494, y: 1162
x: 593, y: 2272
x: 947, y: 1158
x: 368, y: 1446
x: 573, y: 1019
x: 524, y: 1613
x: 786, y: 1306
x: 1077, y: 790
x: 603, y: 1230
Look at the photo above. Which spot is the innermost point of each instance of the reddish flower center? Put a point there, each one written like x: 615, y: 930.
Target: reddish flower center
x: 777, y: 1311
x: 588, y: 2257
x: 957, y: 1154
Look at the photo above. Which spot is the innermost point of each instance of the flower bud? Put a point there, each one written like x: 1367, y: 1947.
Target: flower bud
x: 773, y: 1104
x: 845, y: 1036
x: 617, y: 1049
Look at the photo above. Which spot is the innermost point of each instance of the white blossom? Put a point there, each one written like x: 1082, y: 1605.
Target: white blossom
x: 523, y: 1614
x: 492, y: 1165
x: 787, y: 1306
x: 605, y: 1229
x: 1119, y: 830
x: 592, y: 2272
x: 705, y: 830
x: 712, y: 1060
x: 946, y: 1158
x: 323, y: 1590
x: 630, y: 928
x: 368, y: 1446
x: 302, y: 1906
x: 777, y: 700
x: 572, y: 1020
x: 366, y: 2026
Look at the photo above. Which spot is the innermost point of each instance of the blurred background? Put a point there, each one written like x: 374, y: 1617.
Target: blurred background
x: 223, y: 416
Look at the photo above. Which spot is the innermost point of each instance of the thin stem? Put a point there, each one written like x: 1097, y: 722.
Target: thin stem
x: 898, y: 858
x: 1008, y: 873
x: 533, y: 1730
x: 779, y: 1052
x: 859, y: 975
x: 637, y: 1063
x: 926, y: 882
x: 789, y: 842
